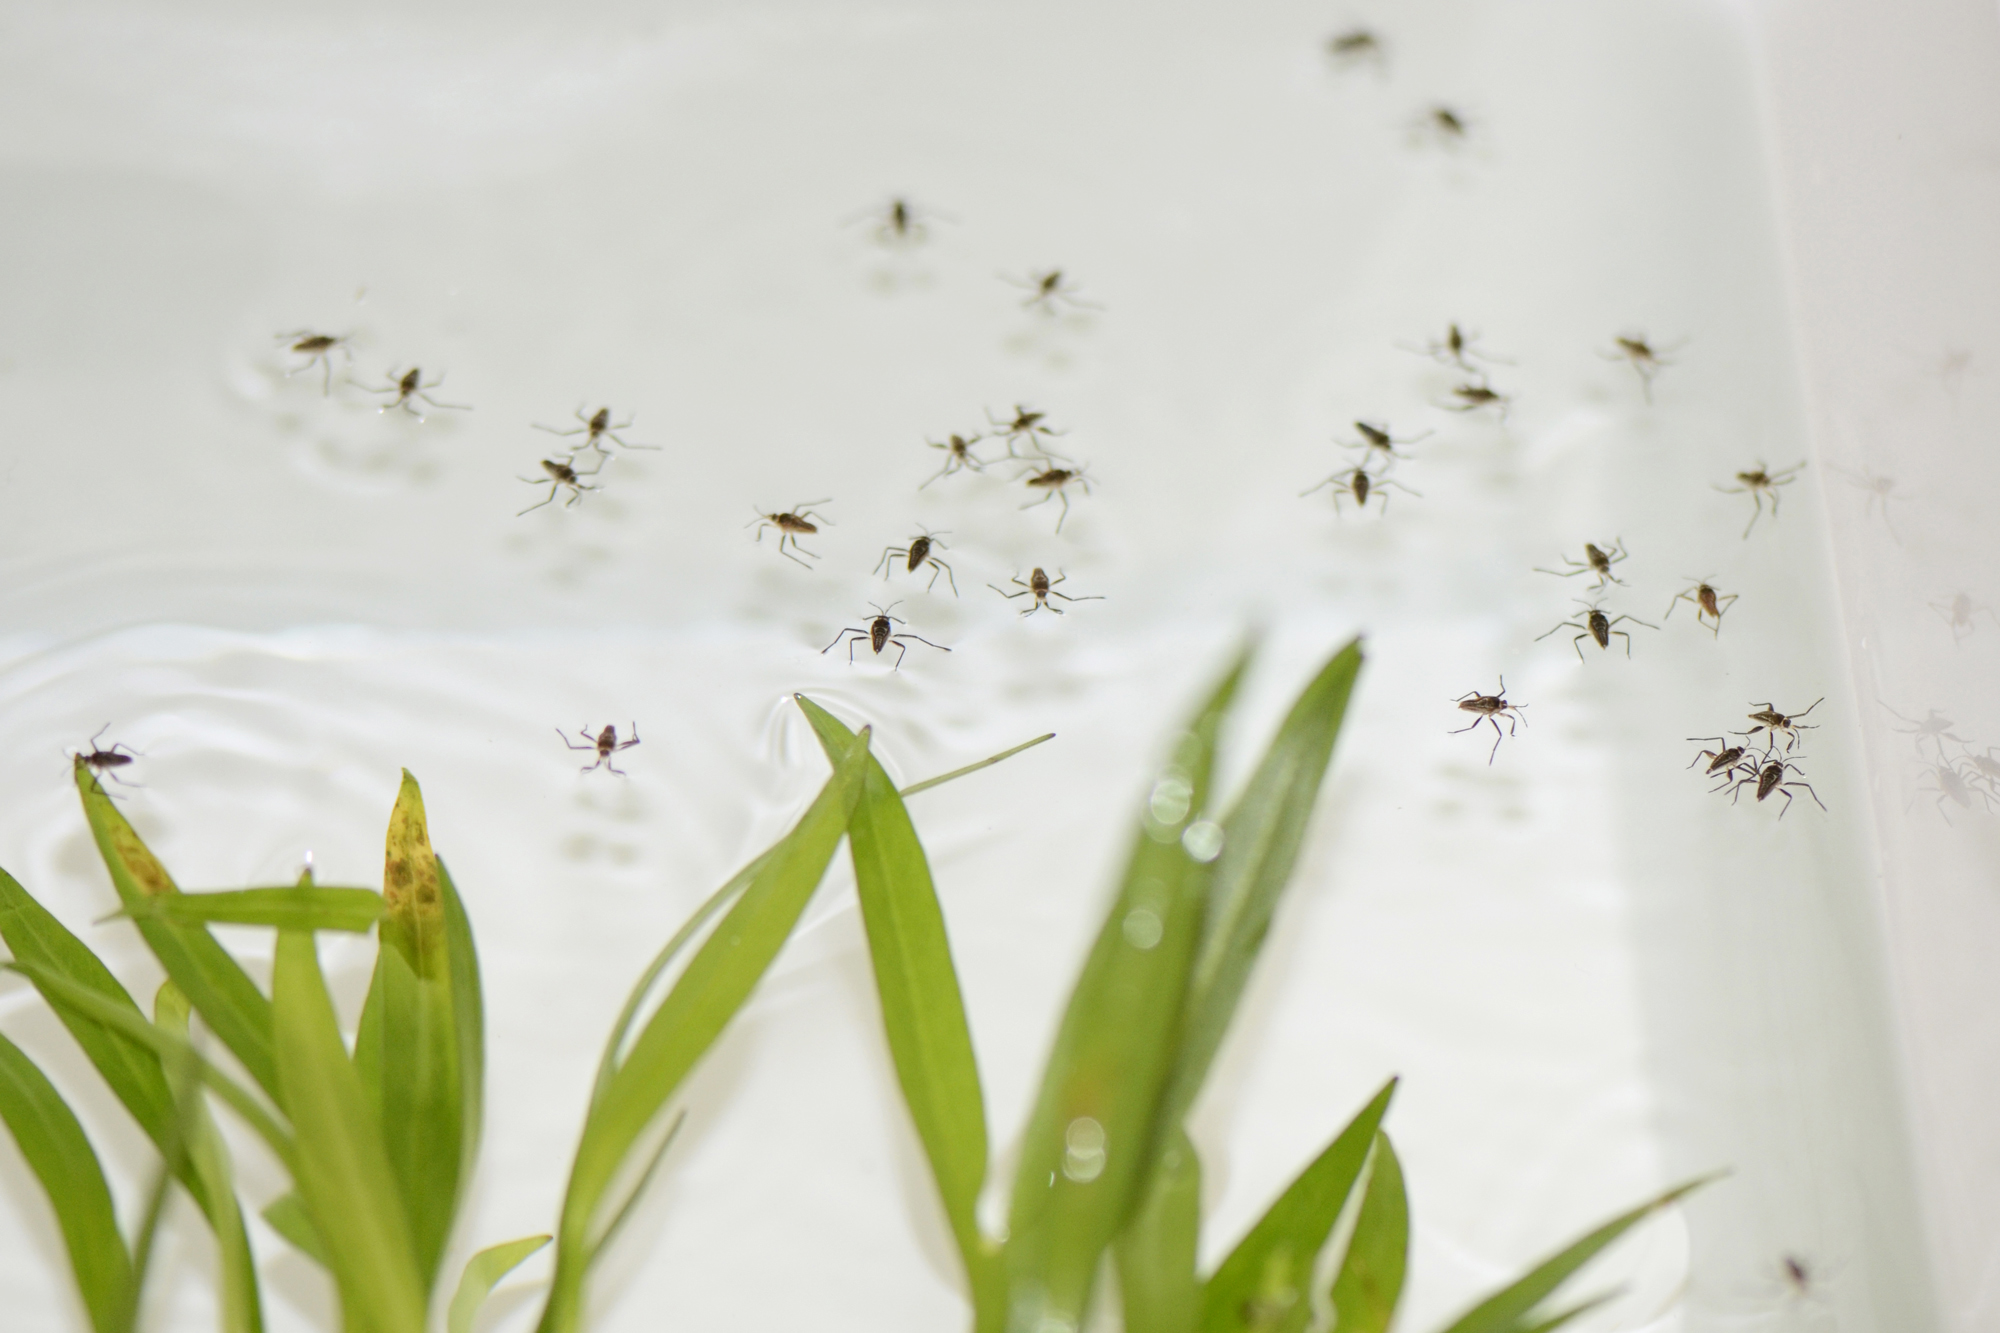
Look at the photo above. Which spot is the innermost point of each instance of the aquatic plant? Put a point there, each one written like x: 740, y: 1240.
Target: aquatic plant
x: 379, y: 1140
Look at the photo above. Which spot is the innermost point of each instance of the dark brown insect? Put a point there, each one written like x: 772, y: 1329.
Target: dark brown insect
x: 1723, y: 761
x: 957, y: 454
x: 1645, y: 359
x: 791, y: 526
x: 1355, y: 46
x: 1757, y: 483
x: 562, y: 472
x: 1473, y: 395
x: 1049, y: 293
x: 1958, y: 614
x: 1041, y: 587
x: 1490, y: 708
x: 106, y: 763
x: 605, y: 743
x: 596, y: 427
x: 1027, y: 428
x: 901, y: 225
x: 1359, y: 484
x: 1596, y: 626
x: 1770, y: 722
x: 1707, y: 603
x: 880, y: 635
x: 1378, y: 439
x: 408, y: 388
x: 317, y: 349
x: 1595, y: 561
x: 1443, y: 125
x: 915, y: 556
x: 1456, y: 349
x: 1770, y: 777
x: 1055, y: 482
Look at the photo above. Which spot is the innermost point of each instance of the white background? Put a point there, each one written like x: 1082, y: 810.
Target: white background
x: 1594, y: 976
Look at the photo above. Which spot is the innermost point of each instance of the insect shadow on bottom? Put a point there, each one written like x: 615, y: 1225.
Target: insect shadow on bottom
x: 879, y: 635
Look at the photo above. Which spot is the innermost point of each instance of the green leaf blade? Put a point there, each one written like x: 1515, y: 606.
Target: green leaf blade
x: 221, y: 992
x: 1513, y: 1308
x: 418, y: 1053
x: 709, y: 992
x: 923, y: 1009
x: 59, y: 1153
x: 1261, y: 839
x: 1369, y: 1286
x: 483, y: 1272
x: 1265, y: 1280
x: 1097, y: 1123
x: 291, y: 907
x: 341, y: 1167
x: 1156, y: 1253
x: 208, y: 1163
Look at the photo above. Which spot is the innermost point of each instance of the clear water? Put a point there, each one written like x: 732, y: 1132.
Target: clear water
x: 1594, y: 976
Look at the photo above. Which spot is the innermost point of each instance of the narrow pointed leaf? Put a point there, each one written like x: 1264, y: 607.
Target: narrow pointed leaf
x: 923, y: 1011
x: 1265, y: 1281
x: 1575, y: 1312
x: 717, y: 981
x: 412, y: 1050
x: 1513, y: 1309
x: 130, y: 1068
x: 958, y: 773
x: 293, y: 907
x: 57, y: 1151
x: 1261, y: 838
x: 483, y: 1272
x: 221, y: 992
x: 288, y: 1217
x: 341, y: 1167
x: 1095, y: 1129
x: 1370, y: 1282
x: 1157, y: 1281
x: 207, y: 1161
x: 62, y: 993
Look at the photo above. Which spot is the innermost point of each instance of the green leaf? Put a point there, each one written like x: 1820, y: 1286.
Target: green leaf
x: 222, y: 993
x: 288, y: 1217
x: 715, y: 984
x: 57, y: 1151
x: 1097, y: 1125
x: 482, y: 1272
x: 1513, y: 1309
x: 957, y: 773
x: 1156, y: 1252
x: 1265, y: 1281
x: 62, y: 993
x: 420, y: 1063
x: 293, y: 907
x: 341, y: 1168
x: 923, y: 1012
x: 1261, y: 838
x: 1370, y: 1282
x: 207, y: 1159
x: 129, y: 1067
